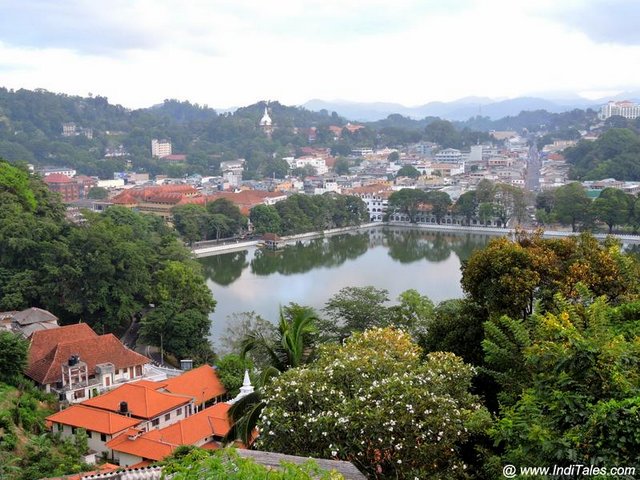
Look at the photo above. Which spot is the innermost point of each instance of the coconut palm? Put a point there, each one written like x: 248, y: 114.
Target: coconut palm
x: 293, y: 345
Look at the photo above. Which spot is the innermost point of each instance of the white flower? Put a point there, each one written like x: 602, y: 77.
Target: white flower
x: 334, y: 453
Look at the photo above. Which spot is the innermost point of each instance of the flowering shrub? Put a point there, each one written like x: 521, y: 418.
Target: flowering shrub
x: 375, y: 403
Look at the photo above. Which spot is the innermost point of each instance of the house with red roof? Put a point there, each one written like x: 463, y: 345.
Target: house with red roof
x: 151, y: 407
x: 204, y: 429
x: 201, y: 384
x: 100, y: 425
x: 77, y: 363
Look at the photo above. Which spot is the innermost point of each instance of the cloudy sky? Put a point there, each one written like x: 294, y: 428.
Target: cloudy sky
x: 234, y: 52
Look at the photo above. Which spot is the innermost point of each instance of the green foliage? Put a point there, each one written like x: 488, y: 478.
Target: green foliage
x: 408, y: 171
x: 374, y: 402
x: 13, y: 356
x: 613, y: 207
x: 304, y: 213
x: 456, y: 327
x: 572, y: 206
x: 355, y: 309
x: 577, y: 398
x: 508, y: 276
x: 613, y: 155
x: 294, y: 341
x: 265, y: 219
x: 407, y: 201
x: 15, y: 181
x: 102, y: 272
x: 98, y: 193
x: 230, y: 370
x: 228, y: 465
x: 26, y: 451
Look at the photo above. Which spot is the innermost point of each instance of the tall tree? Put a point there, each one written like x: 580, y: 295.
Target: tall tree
x: 613, y: 207
x: 407, y: 201
x: 572, y: 205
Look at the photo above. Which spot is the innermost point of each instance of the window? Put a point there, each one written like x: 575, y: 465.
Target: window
x: 155, y: 422
x: 167, y: 417
x: 103, y: 437
x: 179, y: 411
x: 117, y: 371
x: 73, y: 430
x: 78, y: 394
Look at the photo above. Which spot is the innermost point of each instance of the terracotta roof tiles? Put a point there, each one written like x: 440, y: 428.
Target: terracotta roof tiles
x: 93, y: 350
x: 202, y: 384
x: 142, y: 401
x: 93, y: 419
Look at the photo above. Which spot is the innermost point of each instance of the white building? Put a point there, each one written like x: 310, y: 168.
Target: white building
x: 625, y: 109
x: 376, y: 197
x: 46, y: 171
x: 317, y: 163
x: 160, y: 148
x: 449, y: 155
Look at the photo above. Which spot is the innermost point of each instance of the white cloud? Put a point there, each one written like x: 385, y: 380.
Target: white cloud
x: 227, y: 53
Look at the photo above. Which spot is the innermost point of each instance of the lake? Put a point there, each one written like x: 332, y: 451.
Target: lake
x: 310, y: 272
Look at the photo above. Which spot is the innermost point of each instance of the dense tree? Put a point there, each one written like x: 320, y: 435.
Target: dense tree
x: 355, y: 309
x: 467, y: 206
x: 341, y: 166
x: 613, y: 155
x: 265, y: 218
x: 373, y: 401
x: 232, y: 222
x: 571, y: 205
x: 440, y: 203
x: 191, y: 221
x: 613, y: 207
x: 13, y: 356
x: 98, y: 193
x: 408, y: 171
x: 577, y: 382
x: 407, y: 201
x: 508, y: 276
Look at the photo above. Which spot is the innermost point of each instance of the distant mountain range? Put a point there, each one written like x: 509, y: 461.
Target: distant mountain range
x: 461, y: 109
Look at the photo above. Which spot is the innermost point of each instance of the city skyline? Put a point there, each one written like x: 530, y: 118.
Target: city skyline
x: 233, y: 53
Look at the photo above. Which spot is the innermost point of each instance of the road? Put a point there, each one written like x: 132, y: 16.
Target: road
x: 532, y: 179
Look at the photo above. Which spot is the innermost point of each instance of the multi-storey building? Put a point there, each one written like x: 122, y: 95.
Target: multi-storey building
x: 625, y: 109
x: 160, y: 148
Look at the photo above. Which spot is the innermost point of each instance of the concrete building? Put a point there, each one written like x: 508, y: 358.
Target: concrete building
x: 160, y: 148
x: 449, y: 155
x: 625, y: 109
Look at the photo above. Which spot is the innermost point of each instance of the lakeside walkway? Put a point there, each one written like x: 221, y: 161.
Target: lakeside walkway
x: 216, y: 249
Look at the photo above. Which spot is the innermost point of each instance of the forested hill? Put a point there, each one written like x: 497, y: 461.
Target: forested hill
x: 31, y: 127
x: 31, y: 130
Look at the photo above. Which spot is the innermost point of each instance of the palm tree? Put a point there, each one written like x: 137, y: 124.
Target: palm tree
x: 293, y: 345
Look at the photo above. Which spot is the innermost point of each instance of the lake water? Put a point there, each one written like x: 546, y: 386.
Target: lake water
x: 309, y: 273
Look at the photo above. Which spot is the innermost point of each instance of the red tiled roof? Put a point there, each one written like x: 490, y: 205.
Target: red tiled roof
x: 202, y: 384
x: 93, y: 419
x: 142, y: 401
x: 157, y: 444
x: 43, y: 341
x: 92, y: 350
x: 212, y: 421
x: 124, y: 198
x: 140, y: 446
x: 57, y: 178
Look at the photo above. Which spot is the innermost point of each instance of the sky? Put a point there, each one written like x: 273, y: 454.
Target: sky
x: 226, y: 53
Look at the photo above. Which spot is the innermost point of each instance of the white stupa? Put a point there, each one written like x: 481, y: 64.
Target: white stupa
x: 245, y: 390
x: 266, y: 119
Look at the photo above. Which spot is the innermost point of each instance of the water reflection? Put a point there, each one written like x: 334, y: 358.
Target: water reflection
x: 303, y: 257
x: 404, y: 246
x: 224, y: 269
